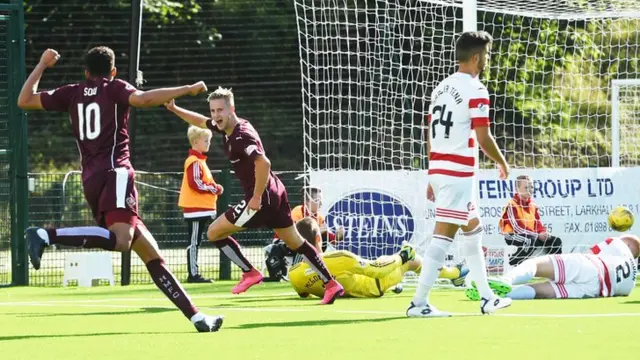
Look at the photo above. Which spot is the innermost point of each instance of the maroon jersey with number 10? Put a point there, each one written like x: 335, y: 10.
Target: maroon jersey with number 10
x: 99, y: 114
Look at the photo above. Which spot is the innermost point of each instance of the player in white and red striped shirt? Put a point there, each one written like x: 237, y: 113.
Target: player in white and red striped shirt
x: 458, y: 115
x: 608, y: 269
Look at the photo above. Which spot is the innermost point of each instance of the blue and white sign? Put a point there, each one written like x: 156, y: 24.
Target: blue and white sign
x: 374, y: 223
x: 380, y: 209
x: 377, y: 209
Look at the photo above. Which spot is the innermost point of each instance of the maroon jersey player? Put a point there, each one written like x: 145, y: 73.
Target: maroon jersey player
x: 99, y: 111
x: 265, y: 203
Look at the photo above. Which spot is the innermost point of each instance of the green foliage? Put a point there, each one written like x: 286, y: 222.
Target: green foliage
x: 551, y: 81
x: 164, y: 11
x: 545, y: 74
x: 249, y: 45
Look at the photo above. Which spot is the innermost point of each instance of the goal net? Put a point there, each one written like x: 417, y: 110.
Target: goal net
x: 368, y: 68
x: 625, y: 122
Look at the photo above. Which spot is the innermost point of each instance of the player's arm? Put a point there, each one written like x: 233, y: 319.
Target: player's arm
x: 157, y: 97
x: 29, y: 98
x: 488, y: 145
x: 599, y: 247
x: 194, y: 178
x: 505, y: 221
x: 479, y: 112
x: 263, y: 167
x: 540, y: 229
x: 191, y: 117
x: 430, y: 195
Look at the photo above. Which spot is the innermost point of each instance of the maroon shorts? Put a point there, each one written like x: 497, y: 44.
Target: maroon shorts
x: 275, y: 212
x: 112, y: 191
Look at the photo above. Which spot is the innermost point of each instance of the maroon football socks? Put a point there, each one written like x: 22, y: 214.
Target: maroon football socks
x: 231, y: 248
x: 88, y: 237
x: 312, y: 257
x: 170, y: 286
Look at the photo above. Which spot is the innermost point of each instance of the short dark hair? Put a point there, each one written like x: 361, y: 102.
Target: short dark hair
x: 308, y: 229
x: 471, y: 43
x: 99, y: 61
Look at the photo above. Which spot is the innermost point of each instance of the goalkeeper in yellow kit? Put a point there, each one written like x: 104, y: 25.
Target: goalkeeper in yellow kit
x: 359, y: 277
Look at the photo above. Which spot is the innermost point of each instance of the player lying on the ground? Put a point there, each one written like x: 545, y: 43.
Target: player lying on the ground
x: 359, y: 277
x: 265, y: 201
x: 608, y: 269
x: 107, y: 173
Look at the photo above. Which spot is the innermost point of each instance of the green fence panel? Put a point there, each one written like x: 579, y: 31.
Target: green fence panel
x: 57, y: 201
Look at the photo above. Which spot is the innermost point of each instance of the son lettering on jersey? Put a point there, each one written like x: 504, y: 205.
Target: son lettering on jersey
x: 90, y: 91
x: 447, y: 89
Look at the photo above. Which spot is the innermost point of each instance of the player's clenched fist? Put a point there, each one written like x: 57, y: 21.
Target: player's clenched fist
x: 197, y: 88
x: 171, y: 105
x: 49, y: 58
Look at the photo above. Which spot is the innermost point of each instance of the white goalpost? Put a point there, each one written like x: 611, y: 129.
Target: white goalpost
x: 565, y: 110
x: 625, y: 121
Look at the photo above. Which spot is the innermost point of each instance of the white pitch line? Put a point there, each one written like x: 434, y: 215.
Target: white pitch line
x: 211, y: 296
x: 571, y: 315
x: 82, y: 304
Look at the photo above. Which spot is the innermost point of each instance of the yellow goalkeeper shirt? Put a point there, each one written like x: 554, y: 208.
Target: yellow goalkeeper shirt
x: 359, y: 277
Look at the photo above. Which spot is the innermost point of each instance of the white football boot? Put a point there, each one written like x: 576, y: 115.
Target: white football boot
x: 489, y: 306
x: 425, y: 311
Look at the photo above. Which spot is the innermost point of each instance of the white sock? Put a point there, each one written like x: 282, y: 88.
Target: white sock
x: 432, y: 261
x: 522, y: 292
x: 43, y: 234
x: 472, y: 251
x: 197, y: 317
x: 522, y: 273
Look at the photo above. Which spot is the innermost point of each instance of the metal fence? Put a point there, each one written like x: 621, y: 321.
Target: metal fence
x: 248, y: 45
x: 5, y: 182
x: 57, y: 200
x: 13, y: 151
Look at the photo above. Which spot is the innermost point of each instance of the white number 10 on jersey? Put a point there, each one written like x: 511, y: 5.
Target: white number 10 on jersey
x: 89, y: 121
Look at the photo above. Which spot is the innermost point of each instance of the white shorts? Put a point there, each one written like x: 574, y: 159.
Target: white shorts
x: 455, y: 198
x: 577, y: 276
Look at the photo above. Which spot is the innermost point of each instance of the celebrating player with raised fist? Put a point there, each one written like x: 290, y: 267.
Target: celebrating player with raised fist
x: 98, y: 108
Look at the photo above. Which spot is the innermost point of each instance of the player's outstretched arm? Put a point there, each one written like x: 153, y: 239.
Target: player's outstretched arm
x: 490, y: 148
x: 29, y: 98
x: 189, y: 116
x: 157, y: 97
